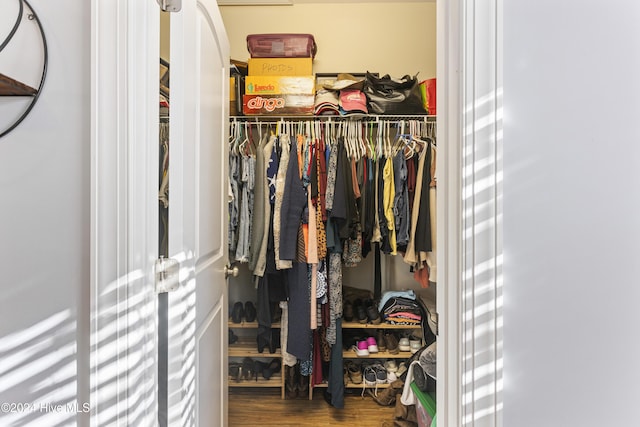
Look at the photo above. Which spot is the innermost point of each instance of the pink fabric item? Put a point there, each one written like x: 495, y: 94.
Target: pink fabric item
x: 372, y: 345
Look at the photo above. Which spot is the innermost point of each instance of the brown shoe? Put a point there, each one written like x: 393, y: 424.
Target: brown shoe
x: 382, y: 345
x: 387, y: 397
x: 392, y: 343
x: 290, y: 385
x: 354, y: 372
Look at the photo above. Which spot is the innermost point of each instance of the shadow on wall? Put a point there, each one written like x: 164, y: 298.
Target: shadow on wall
x: 40, y: 362
x: 482, y: 263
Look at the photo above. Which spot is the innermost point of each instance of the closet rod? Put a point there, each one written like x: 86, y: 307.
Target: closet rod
x: 368, y: 117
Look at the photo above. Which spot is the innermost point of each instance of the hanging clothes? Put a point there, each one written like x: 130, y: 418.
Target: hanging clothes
x: 261, y: 207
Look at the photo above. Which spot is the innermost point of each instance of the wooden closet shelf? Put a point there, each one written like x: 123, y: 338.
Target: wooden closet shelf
x: 351, y: 354
x: 274, y: 381
x: 247, y: 347
x: 356, y: 325
x: 250, y: 325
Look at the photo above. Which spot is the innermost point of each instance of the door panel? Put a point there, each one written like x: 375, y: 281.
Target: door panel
x: 197, y: 220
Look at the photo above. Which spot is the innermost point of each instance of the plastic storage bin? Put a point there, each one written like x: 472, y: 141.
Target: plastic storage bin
x: 281, y: 45
x: 425, y: 407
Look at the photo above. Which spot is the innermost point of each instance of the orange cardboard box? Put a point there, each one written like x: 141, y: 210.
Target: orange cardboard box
x: 278, y: 105
x: 280, y: 66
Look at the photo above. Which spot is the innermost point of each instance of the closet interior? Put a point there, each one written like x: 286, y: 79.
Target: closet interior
x: 352, y: 312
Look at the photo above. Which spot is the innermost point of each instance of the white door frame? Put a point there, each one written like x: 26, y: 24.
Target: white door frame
x: 470, y: 212
x: 124, y: 211
x: 124, y: 218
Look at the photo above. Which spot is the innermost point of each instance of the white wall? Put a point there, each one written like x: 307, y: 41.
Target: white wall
x: 571, y: 213
x: 44, y: 229
x: 397, y: 38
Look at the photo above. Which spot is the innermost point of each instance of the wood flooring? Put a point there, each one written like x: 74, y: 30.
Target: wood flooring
x: 263, y: 407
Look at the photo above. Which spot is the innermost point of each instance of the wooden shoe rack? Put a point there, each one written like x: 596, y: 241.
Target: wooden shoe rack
x: 246, y: 346
x: 349, y: 354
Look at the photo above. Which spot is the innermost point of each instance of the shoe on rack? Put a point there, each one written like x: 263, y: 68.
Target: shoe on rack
x: 403, y: 344
x: 381, y: 373
x: 249, y: 311
x: 361, y: 348
x: 347, y: 311
x: 232, y: 337
x: 354, y: 372
x: 272, y: 368
x: 372, y: 345
x: 262, y: 342
x: 373, y: 316
x: 248, y: 370
x: 258, y: 368
x: 237, y: 313
x: 360, y: 311
x: 392, y: 343
x: 415, y: 344
x: 402, y: 368
x: 390, y: 366
x: 235, y: 371
x: 369, y: 376
x: 382, y: 345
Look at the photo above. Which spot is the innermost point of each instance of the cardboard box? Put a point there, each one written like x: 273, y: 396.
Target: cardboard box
x: 278, y: 105
x: 280, y: 66
x: 283, y: 85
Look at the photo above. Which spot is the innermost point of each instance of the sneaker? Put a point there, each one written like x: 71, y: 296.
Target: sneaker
x: 381, y: 373
x: 361, y: 348
x: 392, y: 343
x: 403, y: 344
x: 372, y: 345
x: 391, y: 377
x: 415, y: 345
x: 402, y: 368
x: 369, y: 375
x: 390, y: 366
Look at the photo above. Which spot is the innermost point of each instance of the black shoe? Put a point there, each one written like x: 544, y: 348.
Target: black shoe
x: 259, y: 368
x: 232, y: 337
x: 237, y: 313
x: 249, y: 311
x: 347, y: 311
x: 272, y: 368
x: 248, y: 370
x: 235, y: 371
x: 361, y: 313
x: 373, y: 315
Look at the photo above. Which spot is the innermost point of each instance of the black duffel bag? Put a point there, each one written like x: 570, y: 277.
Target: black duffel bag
x: 393, y: 96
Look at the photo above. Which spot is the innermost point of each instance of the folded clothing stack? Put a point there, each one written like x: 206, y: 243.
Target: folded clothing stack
x: 399, y: 310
